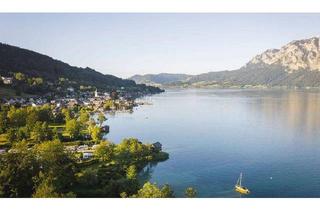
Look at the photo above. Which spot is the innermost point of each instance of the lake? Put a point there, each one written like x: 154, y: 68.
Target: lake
x: 272, y: 136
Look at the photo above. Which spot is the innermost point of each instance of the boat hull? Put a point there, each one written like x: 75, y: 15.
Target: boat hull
x: 241, y: 190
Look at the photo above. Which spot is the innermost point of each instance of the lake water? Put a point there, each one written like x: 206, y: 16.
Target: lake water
x: 272, y: 136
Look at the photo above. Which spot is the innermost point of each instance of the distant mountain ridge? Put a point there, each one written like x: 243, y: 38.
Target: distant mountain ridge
x: 14, y: 59
x: 296, y: 64
x: 159, y: 79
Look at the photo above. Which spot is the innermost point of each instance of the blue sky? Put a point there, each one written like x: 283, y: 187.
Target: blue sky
x: 128, y: 44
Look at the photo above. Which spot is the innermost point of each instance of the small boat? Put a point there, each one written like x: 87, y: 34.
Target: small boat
x: 239, y: 188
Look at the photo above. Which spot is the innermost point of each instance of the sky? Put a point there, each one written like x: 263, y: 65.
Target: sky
x: 127, y: 44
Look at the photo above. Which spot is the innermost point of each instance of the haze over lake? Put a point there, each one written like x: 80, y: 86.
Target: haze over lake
x: 272, y: 136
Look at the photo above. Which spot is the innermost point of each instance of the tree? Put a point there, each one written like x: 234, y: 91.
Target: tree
x: 3, y: 122
x: 45, y: 189
x: 17, y: 170
x: 95, y: 133
x: 17, y: 117
x: 57, y: 164
x: 108, y: 104
x: 123, y: 195
x: 73, y: 128
x: 84, y: 117
x: 36, y: 81
x: 11, y: 135
x: 104, y: 151
x: 190, y: 192
x: 45, y: 113
x: 37, y: 133
x: 47, y: 131
x: 101, y: 118
x: 149, y: 191
x: 132, y: 149
x: 55, y: 134
x: 22, y: 133
x: 67, y: 114
x: 132, y: 172
x: 19, y: 76
x: 41, y: 132
x: 31, y: 119
x: 167, y: 192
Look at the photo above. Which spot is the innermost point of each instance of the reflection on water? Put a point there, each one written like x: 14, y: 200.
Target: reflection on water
x: 297, y: 111
x: 146, y: 174
x: 213, y: 135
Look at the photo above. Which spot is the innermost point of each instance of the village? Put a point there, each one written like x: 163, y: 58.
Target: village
x: 64, y: 123
x: 65, y: 93
x: 94, y: 102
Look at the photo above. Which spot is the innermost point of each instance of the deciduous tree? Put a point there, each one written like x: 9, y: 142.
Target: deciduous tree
x: 190, y: 192
x: 104, y: 151
x: 73, y: 128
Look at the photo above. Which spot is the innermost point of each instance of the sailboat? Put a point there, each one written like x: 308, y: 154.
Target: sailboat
x: 239, y: 188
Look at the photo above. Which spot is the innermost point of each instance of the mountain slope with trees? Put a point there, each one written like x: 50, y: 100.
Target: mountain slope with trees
x: 159, y: 79
x: 34, y: 65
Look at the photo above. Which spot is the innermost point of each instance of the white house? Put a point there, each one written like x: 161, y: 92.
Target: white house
x: 82, y: 148
x: 7, y: 80
x: 87, y: 155
x: 70, y: 89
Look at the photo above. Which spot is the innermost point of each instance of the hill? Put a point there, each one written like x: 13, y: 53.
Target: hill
x: 35, y: 65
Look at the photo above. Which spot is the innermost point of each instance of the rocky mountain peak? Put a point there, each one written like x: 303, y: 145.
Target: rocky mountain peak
x: 296, y: 55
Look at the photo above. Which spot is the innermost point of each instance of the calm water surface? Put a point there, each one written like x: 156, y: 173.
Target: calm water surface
x: 272, y: 136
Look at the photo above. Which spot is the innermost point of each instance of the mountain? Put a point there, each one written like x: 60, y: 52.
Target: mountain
x: 296, y: 64
x: 159, y: 79
x: 32, y: 64
x: 297, y: 55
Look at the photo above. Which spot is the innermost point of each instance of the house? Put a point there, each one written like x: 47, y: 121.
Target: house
x: 72, y: 103
x: 105, y: 129
x: 11, y: 102
x: 157, y: 146
x: 87, y: 154
x: 70, y: 89
x: 7, y: 80
x: 86, y: 103
x: 82, y: 148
